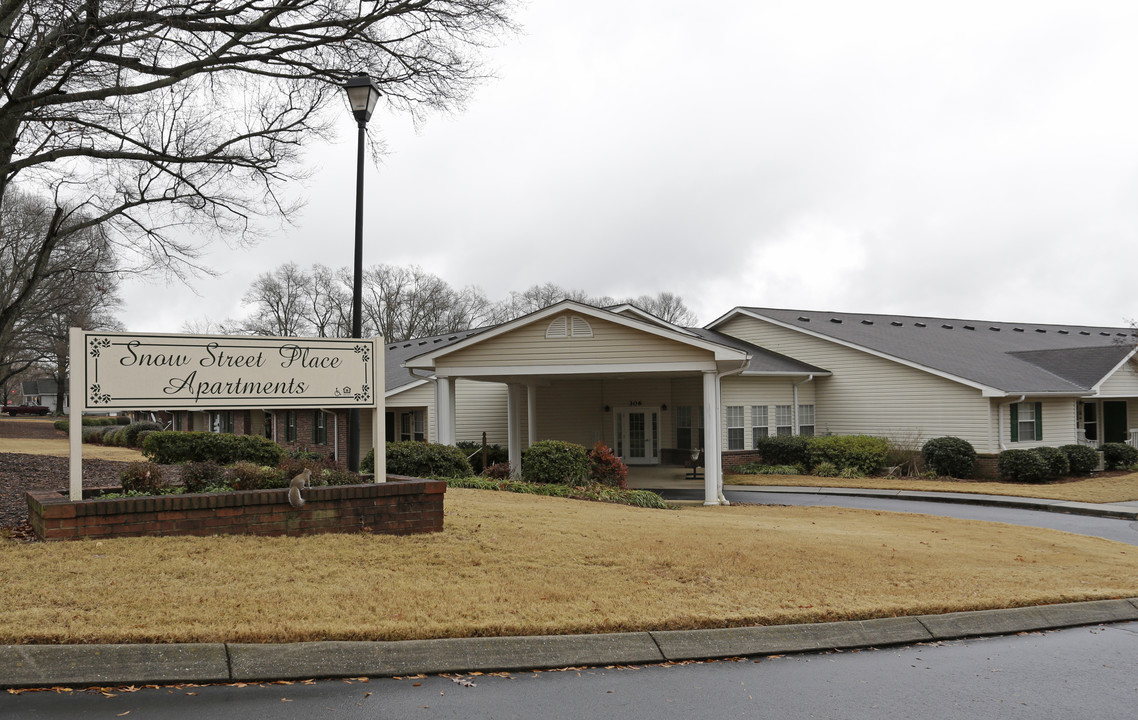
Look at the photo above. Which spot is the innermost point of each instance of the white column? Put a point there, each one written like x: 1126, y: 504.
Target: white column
x: 445, y: 426
x: 712, y: 457
x: 531, y: 413
x: 513, y: 431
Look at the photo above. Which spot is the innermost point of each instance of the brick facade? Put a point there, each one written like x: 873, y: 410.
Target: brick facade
x: 401, y: 506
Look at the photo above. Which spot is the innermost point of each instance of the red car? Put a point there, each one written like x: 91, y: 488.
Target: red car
x: 14, y: 410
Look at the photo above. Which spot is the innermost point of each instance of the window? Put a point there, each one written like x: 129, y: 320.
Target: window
x: 784, y: 420
x: 683, y: 427
x: 319, y: 427
x: 760, y: 424
x: 806, y: 420
x: 1090, y: 421
x: 734, y: 427
x: 412, y: 425
x: 290, y: 426
x: 1027, y: 422
x: 221, y: 422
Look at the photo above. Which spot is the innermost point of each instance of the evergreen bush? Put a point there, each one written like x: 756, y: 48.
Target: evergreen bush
x: 171, y: 446
x: 473, y: 451
x: 130, y: 432
x: 1023, y: 466
x: 555, y: 461
x: 1082, y: 459
x: 783, y: 450
x: 426, y: 460
x: 1057, y: 463
x: 197, y: 476
x: 951, y: 456
x: 864, y: 453
x: 1119, y: 456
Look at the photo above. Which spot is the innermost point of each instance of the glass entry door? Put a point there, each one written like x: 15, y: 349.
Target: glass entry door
x: 637, y: 436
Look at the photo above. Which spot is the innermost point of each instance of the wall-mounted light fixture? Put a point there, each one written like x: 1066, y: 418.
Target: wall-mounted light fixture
x: 607, y: 408
x: 664, y: 408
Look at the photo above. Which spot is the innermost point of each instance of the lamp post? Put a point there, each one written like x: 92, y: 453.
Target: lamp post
x: 362, y: 97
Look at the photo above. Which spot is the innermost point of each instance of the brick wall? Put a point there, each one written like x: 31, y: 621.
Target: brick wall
x: 401, y: 506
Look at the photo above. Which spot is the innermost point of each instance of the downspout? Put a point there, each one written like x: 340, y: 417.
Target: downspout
x: 794, y: 410
x: 719, y: 453
x: 1000, y: 420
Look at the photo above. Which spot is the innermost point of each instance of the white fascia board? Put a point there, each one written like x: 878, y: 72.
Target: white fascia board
x: 721, y: 352
x: 986, y: 390
x: 474, y: 371
x: 404, y: 388
x: 781, y: 373
x: 1097, y: 388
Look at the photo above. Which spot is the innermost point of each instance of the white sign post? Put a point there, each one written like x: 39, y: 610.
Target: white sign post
x: 132, y: 371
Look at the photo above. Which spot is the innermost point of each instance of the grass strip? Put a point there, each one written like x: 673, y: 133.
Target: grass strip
x: 1098, y: 488
x: 595, y: 491
x: 514, y: 564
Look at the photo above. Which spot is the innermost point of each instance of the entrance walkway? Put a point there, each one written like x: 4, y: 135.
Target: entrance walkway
x: 662, y: 477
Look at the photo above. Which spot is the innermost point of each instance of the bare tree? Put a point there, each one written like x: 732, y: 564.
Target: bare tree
x: 77, y: 281
x: 141, y: 119
x: 666, y: 306
x: 279, y: 299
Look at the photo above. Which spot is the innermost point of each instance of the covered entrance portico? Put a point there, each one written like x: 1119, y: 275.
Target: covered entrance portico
x: 586, y: 375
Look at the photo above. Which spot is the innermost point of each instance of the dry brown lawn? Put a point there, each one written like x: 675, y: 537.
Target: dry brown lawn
x: 514, y: 564
x: 1095, y: 489
x: 60, y: 448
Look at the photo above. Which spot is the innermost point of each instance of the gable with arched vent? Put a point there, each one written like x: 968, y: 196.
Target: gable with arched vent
x: 567, y: 326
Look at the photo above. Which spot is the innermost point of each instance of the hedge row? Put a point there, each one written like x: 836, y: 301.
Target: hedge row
x: 864, y: 454
x: 65, y: 425
x: 595, y: 491
x: 175, y: 446
x: 1043, y: 464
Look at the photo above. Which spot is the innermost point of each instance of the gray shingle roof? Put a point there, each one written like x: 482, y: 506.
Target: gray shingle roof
x: 396, y: 353
x: 762, y: 360
x: 1012, y: 357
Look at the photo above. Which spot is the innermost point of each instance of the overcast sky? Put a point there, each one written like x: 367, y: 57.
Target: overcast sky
x: 972, y: 159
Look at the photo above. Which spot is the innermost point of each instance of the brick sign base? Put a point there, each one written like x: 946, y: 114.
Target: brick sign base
x: 401, y: 506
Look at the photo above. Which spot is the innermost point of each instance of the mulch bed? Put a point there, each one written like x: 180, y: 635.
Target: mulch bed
x: 20, y: 473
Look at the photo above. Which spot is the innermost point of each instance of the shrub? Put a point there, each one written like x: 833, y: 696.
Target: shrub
x: 64, y: 425
x: 850, y: 473
x: 556, y: 461
x: 864, y: 453
x: 949, y: 456
x: 596, y: 492
x: 606, y: 468
x: 338, y: 476
x: 247, y: 476
x: 1056, y: 459
x: 760, y: 469
x: 119, y: 420
x: 499, y: 471
x: 473, y: 451
x: 130, y: 432
x: 825, y: 469
x: 93, y: 435
x: 117, y: 437
x: 142, y: 477
x: 367, y: 464
x: 167, y: 447
x: 1083, y: 459
x: 783, y: 450
x: 1024, y: 466
x: 420, y: 459
x: 1118, y: 456
x: 294, y: 466
x: 197, y: 476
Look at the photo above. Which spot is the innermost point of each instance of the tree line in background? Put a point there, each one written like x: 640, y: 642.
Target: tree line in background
x: 399, y: 303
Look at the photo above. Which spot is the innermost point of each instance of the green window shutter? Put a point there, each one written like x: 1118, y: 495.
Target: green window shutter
x: 1038, y: 421
x: 315, y: 426
x: 1015, y: 422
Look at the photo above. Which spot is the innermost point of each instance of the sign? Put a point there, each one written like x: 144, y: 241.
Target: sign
x: 130, y: 371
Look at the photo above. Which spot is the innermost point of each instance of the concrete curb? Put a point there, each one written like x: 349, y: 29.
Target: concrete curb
x: 102, y: 665
x: 1105, y: 510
